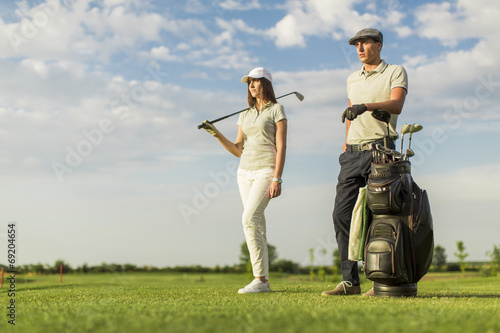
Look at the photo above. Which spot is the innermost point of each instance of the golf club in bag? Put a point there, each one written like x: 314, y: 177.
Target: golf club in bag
x: 399, y: 242
x: 297, y: 94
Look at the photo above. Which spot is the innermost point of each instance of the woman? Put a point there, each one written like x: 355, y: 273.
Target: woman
x: 261, y: 144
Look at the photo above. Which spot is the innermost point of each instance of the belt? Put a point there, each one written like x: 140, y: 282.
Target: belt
x: 365, y: 146
x: 361, y: 147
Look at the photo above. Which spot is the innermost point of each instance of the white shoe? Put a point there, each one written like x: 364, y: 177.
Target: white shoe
x: 257, y: 286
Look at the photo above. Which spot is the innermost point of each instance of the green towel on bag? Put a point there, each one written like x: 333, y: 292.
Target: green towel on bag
x: 364, y: 228
x: 359, y: 227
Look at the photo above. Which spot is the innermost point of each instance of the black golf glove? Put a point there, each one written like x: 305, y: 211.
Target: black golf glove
x: 353, y: 111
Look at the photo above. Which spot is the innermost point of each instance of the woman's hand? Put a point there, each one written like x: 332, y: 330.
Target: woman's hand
x: 210, y: 128
x: 274, y: 189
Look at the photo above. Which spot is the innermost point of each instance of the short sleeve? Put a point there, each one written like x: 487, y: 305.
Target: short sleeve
x: 399, y: 78
x: 279, y: 113
x: 241, y: 119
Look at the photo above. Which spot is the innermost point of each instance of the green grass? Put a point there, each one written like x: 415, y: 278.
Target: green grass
x: 168, y: 302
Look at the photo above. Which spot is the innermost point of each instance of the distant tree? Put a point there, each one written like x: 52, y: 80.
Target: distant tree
x: 461, y: 255
x: 85, y: 268
x: 286, y: 266
x: 130, y: 268
x: 495, y: 260
x: 38, y: 269
x: 439, y: 259
x: 245, y: 255
x: 57, y: 267
x: 321, y: 270
x: 336, y: 262
x: 336, y: 259
x: 311, y: 267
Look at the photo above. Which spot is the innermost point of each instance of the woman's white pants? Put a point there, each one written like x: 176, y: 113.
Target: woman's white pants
x: 254, y: 191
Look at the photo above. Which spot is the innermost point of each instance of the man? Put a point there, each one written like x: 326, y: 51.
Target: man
x: 377, y: 86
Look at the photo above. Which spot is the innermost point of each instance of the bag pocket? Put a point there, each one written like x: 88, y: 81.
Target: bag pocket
x: 384, y: 253
x: 384, y: 195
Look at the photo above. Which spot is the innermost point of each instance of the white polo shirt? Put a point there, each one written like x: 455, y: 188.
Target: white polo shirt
x: 373, y: 87
x: 259, y: 129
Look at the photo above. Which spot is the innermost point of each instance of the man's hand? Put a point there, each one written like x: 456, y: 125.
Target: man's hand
x: 353, y: 111
x: 210, y: 128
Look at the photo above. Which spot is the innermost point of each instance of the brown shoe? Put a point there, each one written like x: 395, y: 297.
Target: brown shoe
x: 343, y: 288
x: 370, y: 292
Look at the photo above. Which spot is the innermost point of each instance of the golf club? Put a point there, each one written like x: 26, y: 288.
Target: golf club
x: 409, y: 153
x: 413, y: 129
x: 385, y: 117
x: 381, y: 154
x: 297, y: 94
x: 404, y: 130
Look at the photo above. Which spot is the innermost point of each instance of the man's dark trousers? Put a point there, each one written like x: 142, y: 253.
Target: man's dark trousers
x: 354, y: 171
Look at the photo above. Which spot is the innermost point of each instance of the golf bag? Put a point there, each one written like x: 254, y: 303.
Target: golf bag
x: 399, y: 243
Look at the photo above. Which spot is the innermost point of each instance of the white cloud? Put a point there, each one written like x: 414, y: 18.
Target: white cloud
x: 319, y: 115
x: 334, y: 19
x: 163, y: 53
x: 199, y: 76
x: 287, y: 33
x: 403, y: 31
x: 239, y: 4
x: 79, y: 31
x: 460, y: 81
x: 451, y: 22
x: 456, y: 187
x: 37, y: 65
x: 86, y: 33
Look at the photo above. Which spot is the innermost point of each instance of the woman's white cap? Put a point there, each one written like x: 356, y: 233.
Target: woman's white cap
x: 257, y: 73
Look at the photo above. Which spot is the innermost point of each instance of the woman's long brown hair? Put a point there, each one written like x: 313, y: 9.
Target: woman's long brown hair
x: 267, y: 92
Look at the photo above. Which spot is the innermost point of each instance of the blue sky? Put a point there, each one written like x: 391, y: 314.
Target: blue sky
x: 102, y: 162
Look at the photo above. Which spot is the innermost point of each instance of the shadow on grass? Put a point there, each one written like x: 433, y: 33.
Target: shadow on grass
x: 460, y: 296
x: 289, y: 291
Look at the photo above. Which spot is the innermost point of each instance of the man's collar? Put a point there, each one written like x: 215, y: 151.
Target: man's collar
x: 380, y: 68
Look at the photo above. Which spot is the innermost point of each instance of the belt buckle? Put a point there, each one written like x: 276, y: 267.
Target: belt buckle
x: 363, y: 147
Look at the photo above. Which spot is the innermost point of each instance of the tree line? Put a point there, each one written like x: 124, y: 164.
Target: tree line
x: 439, y: 264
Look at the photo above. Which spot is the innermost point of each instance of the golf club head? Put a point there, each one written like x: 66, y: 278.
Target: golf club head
x: 381, y: 115
x: 409, y: 153
x: 415, y: 128
x: 405, y: 129
x: 299, y: 96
